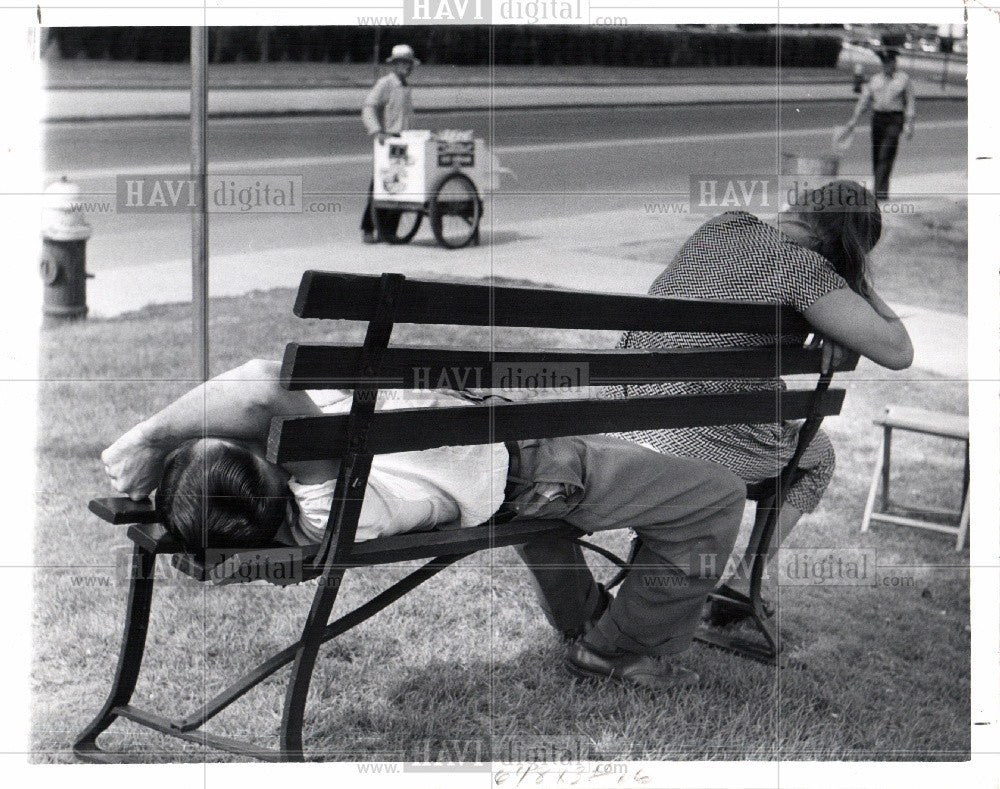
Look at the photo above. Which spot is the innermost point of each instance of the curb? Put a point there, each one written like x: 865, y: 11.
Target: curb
x: 148, y: 103
x: 338, y: 112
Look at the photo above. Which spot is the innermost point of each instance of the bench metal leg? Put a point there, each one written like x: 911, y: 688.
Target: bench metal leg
x: 762, y: 511
x: 305, y: 661
x: 140, y: 598
x: 767, y: 650
x: 188, y: 728
x: 765, y: 524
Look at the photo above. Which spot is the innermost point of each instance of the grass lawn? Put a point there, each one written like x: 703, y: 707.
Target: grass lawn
x: 876, y: 672
x: 921, y: 258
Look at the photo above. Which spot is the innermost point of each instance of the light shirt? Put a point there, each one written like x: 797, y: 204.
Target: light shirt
x: 889, y: 95
x: 408, y: 491
x: 388, y: 106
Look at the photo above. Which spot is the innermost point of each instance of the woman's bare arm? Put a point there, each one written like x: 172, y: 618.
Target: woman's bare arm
x: 868, y: 326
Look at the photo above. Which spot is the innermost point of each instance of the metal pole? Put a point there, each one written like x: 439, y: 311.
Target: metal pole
x: 378, y: 41
x: 199, y: 178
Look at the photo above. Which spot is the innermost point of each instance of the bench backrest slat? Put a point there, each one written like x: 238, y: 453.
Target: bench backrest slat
x: 324, y: 294
x: 310, y: 366
x: 402, y: 430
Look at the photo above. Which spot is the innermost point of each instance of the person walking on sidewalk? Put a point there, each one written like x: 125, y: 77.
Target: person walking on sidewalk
x: 890, y: 96
x: 388, y: 110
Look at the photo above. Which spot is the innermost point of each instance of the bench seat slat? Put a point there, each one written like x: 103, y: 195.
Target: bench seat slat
x: 322, y: 437
x: 273, y: 564
x: 408, y: 546
x: 336, y: 295
x: 412, y: 367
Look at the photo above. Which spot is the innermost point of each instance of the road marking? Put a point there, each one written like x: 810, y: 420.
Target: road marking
x: 251, y: 165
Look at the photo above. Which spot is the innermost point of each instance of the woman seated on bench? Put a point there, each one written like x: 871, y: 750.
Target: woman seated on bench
x: 813, y: 258
x: 687, y: 511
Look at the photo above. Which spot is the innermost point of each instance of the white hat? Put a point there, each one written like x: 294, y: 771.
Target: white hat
x: 403, y: 52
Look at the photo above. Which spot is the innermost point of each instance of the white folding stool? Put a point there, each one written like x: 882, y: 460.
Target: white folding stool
x: 933, y: 423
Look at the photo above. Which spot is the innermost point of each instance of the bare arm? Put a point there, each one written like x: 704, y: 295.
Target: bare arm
x: 868, y: 326
x: 910, y: 111
x: 238, y: 404
x: 863, y: 101
x: 371, y: 111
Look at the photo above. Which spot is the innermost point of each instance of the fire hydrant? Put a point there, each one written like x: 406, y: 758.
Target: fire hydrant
x: 64, y: 253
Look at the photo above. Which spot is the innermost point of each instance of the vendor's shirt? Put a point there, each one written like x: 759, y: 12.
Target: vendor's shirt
x: 409, y: 491
x: 388, y: 106
x: 889, y: 94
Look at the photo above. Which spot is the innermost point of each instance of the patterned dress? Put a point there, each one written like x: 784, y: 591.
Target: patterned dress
x: 738, y: 257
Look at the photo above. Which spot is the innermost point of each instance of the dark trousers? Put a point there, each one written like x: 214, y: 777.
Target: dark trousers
x: 687, y: 513
x: 387, y: 222
x: 886, y: 128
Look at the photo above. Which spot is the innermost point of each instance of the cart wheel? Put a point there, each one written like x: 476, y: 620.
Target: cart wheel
x: 455, y: 210
x: 398, y: 227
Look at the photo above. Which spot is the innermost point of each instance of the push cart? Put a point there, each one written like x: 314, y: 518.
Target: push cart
x: 441, y: 175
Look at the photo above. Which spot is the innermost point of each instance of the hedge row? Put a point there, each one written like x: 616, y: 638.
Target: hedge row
x: 456, y: 45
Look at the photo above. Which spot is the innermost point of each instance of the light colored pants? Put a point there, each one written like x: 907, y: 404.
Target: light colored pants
x: 686, y: 511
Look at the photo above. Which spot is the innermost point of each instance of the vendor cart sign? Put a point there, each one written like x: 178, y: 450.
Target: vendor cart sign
x: 456, y: 154
x: 455, y: 148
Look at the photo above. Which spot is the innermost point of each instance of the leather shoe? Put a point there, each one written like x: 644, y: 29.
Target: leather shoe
x: 645, y: 671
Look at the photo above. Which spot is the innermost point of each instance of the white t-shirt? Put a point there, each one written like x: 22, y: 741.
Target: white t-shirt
x: 408, y: 491
x: 889, y: 94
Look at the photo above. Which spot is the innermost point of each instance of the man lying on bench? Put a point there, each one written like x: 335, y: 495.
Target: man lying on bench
x: 686, y: 511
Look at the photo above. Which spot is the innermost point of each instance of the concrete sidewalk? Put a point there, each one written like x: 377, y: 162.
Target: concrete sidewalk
x: 598, y: 252
x: 78, y: 104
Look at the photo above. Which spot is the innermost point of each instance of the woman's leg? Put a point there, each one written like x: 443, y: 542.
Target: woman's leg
x: 818, y: 461
x: 786, y: 522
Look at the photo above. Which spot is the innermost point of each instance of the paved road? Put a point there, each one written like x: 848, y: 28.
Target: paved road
x: 567, y: 162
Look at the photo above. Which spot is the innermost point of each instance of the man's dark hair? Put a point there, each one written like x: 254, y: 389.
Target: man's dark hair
x: 214, y: 494
x: 888, y: 55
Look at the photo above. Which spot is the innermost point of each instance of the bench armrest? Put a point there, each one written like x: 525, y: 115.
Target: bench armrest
x: 121, y: 509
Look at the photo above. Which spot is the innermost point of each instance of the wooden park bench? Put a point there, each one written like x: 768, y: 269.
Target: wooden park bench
x: 354, y: 438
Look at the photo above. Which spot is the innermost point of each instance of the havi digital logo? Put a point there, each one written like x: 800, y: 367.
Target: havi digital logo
x: 442, y: 12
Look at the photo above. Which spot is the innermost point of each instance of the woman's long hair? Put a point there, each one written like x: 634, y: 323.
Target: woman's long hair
x: 848, y: 224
